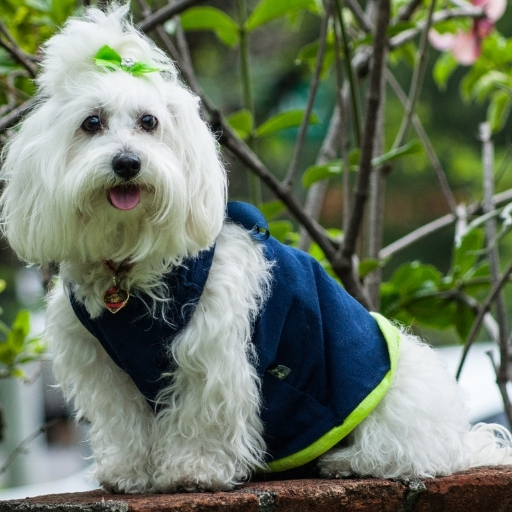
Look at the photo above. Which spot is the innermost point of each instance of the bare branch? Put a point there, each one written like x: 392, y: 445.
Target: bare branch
x: 22, y: 447
x: 10, y: 119
x: 345, y: 268
x: 449, y: 14
x: 15, y: 51
x: 407, y: 11
x: 360, y: 15
x: 431, y: 153
x: 351, y: 73
x: 494, y: 263
x: 313, y: 88
x: 376, y: 209
x: 166, y: 13
x: 416, y: 81
x: 316, y: 192
x: 342, y: 100
x: 484, y: 308
x: 438, y: 224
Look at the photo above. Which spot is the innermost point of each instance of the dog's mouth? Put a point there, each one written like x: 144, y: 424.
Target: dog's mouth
x: 124, y: 197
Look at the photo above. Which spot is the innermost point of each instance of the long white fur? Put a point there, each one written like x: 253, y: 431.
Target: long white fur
x: 208, y: 433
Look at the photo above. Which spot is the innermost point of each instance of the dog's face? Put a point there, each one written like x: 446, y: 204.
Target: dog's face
x: 111, y: 165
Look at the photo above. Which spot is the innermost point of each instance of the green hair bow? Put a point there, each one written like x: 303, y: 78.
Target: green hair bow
x: 108, y: 58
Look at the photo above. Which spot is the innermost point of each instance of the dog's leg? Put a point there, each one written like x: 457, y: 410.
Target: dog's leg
x: 121, y: 421
x: 419, y: 430
x: 209, y: 432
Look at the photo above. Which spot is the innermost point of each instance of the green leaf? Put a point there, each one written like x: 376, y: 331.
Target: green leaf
x: 434, y: 312
x: 19, y: 332
x: 268, y: 10
x: 210, y: 18
x: 410, y: 278
x: 463, y: 319
x: 488, y: 83
x: 280, y: 229
x: 499, y: 110
x: 18, y: 373
x: 368, y: 265
x: 272, y: 209
x: 353, y: 156
x: 308, y: 54
x: 477, y: 282
x: 466, y: 254
x: 316, y: 252
x: 242, y: 122
x: 39, y: 5
x: 399, y: 27
x: 411, y: 148
x: 282, y: 121
x: 330, y: 169
x: 3, y: 284
x: 406, y: 53
x: 443, y: 69
x: 316, y: 173
x: 7, y: 354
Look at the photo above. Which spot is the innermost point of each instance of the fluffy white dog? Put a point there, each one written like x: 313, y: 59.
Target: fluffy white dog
x: 200, y: 350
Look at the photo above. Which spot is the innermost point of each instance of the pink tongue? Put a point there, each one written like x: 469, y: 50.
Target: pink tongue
x: 125, y: 197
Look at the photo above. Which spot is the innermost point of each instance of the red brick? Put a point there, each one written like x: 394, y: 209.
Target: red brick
x: 477, y: 490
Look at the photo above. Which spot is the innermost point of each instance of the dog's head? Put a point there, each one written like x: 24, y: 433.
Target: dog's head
x: 114, y: 162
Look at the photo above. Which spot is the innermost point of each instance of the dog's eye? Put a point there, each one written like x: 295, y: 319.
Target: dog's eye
x: 148, y: 122
x: 92, y: 124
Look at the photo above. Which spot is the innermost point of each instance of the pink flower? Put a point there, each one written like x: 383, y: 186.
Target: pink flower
x: 466, y: 47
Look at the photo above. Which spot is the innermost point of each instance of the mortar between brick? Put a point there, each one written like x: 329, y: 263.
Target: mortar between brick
x: 98, y: 506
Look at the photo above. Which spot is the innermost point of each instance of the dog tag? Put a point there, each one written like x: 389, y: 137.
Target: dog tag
x: 115, y: 298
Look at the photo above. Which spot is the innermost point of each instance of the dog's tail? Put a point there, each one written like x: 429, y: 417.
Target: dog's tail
x: 490, y: 445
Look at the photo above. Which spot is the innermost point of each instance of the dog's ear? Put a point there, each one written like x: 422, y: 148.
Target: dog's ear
x: 28, y: 207
x: 200, y: 159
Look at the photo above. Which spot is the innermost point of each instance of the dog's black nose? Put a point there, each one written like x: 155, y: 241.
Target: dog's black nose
x: 126, y: 165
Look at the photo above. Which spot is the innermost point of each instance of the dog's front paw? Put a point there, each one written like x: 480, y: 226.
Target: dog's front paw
x: 338, y: 467
x: 335, y: 473
x: 126, y: 486
x: 198, y: 486
x: 194, y: 483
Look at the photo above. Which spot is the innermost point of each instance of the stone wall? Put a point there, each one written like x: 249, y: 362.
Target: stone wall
x: 478, y: 490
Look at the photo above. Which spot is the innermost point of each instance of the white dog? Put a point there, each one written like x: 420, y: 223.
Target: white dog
x: 228, y: 354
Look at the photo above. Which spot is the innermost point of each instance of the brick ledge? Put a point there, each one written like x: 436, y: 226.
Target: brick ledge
x: 478, y: 490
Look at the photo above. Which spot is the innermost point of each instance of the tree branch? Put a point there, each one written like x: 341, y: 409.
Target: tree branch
x: 22, y: 447
x: 448, y: 14
x: 490, y: 235
x: 431, y: 153
x: 16, y: 52
x: 438, y: 224
x: 344, y: 267
x: 165, y: 13
x: 359, y: 15
x: 313, y: 88
x: 9, y: 120
x: 416, y: 81
x: 484, y: 308
x: 351, y: 75
x: 316, y: 192
x: 407, y: 11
